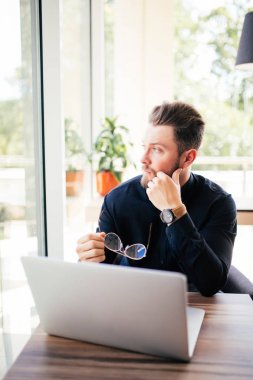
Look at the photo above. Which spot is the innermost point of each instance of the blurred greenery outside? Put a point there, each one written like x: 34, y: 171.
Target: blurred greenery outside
x: 205, y: 75
x: 17, y: 133
x: 75, y: 154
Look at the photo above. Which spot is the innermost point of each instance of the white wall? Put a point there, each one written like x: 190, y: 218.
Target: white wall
x: 143, y: 59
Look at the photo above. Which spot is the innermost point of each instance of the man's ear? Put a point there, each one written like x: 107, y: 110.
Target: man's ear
x: 187, y: 158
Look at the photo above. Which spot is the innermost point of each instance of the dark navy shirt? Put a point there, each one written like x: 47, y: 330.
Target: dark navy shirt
x: 199, y: 244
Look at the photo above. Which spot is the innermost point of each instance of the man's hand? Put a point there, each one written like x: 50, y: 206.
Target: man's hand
x: 91, y: 248
x: 164, y: 191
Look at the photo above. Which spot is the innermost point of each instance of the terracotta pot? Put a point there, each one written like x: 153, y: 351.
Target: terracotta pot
x: 106, y: 181
x: 74, y: 182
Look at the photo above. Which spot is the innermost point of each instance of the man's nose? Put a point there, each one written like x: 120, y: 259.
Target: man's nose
x: 145, y: 157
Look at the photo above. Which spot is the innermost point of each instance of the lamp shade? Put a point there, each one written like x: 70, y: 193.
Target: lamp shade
x: 244, y: 59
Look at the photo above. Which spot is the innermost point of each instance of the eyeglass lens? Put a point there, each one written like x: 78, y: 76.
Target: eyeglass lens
x: 113, y: 242
x: 135, y: 251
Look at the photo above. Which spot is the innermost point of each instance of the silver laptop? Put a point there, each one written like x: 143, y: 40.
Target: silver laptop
x: 134, y: 309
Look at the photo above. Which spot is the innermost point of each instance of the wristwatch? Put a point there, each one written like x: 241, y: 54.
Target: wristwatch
x: 168, y: 215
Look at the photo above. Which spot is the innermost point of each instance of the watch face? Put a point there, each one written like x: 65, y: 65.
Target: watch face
x: 167, y: 216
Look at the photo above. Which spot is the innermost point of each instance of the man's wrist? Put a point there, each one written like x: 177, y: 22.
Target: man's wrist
x: 179, y: 211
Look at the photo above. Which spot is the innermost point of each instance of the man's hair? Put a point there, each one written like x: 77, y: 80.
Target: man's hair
x: 187, y: 123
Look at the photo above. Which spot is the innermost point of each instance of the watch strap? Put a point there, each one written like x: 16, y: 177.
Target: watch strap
x: 179, y: 211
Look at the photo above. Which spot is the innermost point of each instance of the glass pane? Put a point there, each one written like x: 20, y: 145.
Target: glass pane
x: 19, y: 211
x: 109, y: 51
x: 205, y: 41
x: 202, y: 50
x: 205, y: 75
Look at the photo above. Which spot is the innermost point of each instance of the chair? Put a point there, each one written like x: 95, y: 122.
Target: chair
x: 237, y: 282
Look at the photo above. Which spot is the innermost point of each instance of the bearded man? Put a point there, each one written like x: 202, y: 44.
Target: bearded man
x: 169, y: 218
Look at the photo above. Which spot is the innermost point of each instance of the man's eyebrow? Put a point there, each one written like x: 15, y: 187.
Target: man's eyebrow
x: 159, y: 143
x: 156, y: 143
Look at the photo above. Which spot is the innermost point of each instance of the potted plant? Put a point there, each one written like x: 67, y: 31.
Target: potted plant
x: 109, y: 152
x: 75, y: 159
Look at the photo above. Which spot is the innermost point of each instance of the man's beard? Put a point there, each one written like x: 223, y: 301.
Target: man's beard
x: 146, y: 178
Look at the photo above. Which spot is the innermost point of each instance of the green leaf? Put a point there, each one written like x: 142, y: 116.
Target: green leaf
x: 110, y: 147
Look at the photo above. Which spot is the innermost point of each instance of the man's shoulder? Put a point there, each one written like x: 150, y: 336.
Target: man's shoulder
x: 209, y: 185
x: 210, y: 191
x: 212, y: 201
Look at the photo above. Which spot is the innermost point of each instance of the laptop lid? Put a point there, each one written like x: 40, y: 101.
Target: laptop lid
x: 135, y: 309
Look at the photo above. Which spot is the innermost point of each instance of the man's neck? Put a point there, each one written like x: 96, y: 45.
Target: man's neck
x: 184, y: 176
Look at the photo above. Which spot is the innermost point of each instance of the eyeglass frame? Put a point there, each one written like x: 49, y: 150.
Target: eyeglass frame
x: 123, y: 252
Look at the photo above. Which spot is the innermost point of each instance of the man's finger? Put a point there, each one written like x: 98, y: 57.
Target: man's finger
x: 161, y: 175
x: 98, y: 236
x: 176, y: 175
x: 91, y: 254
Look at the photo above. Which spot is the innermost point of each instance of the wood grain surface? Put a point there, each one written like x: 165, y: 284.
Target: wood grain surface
x: 224, y: 351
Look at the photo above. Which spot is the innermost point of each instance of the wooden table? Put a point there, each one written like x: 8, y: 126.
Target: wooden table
x: 224, y: 351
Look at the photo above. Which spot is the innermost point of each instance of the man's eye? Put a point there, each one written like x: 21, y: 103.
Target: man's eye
x: 156, y: 149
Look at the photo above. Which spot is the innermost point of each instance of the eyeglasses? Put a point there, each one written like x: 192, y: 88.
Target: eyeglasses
x: 113, y: 243
x: 134, y: 251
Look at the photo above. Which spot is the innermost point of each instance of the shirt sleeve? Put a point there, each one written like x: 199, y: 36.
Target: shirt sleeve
x: 205, y: 254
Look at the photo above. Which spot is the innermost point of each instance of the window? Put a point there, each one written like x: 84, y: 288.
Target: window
x: 186, y: 50
x: 206, y: 42
x: 21, y: 195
